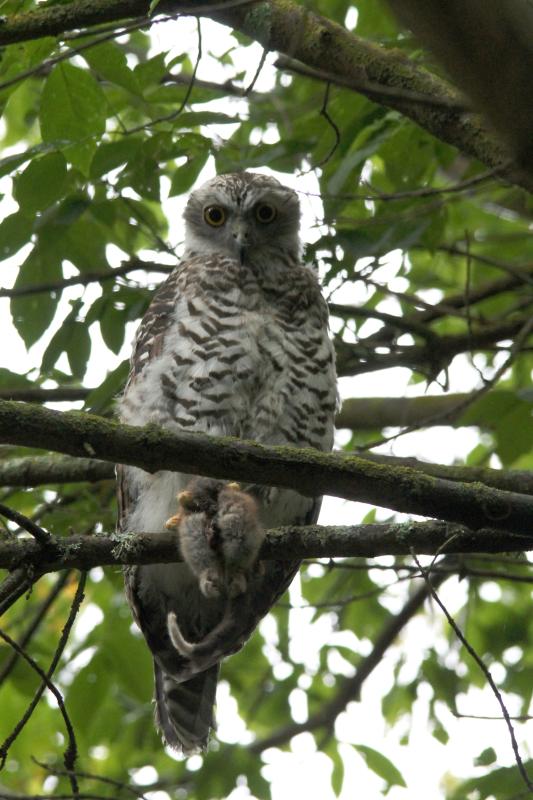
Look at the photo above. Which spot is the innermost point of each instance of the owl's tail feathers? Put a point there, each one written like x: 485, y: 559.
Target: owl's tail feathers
x: 184, y: 712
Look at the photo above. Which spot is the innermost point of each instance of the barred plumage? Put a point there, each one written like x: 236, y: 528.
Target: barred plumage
x: 235, y: 342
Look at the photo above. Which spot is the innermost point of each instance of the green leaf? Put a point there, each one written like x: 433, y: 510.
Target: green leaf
x: 78, y: 349
x: 15, y: 232
x: 32, y: 314
x: 109, y: 60
x: 185, y: 176
x: 486, y: 757
x: 73, y: 113
x: 42, y: 183
x: 338, y: 772
x: 381, y: 765
x: 111, y: 155
x: 101, y: 398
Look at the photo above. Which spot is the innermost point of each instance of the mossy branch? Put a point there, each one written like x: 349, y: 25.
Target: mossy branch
x: 317, y: 42
x: 49, y: 470
x: 306, y: 470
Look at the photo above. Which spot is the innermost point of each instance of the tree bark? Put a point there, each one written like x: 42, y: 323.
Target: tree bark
x: 316, y: 41
x: 309, y: 471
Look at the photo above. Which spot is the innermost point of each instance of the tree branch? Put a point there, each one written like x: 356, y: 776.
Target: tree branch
x: 354, y: 359
x: 309, y: 471
x: 486, y: 46
x: 42, y: 470
x: 314, y: 541
x: 316, y: 41
x: 86, y: 278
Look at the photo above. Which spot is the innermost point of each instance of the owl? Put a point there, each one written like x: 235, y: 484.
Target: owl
x: 235, y: 342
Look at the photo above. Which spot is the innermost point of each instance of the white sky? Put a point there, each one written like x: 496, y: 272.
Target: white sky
x: 304, y: 772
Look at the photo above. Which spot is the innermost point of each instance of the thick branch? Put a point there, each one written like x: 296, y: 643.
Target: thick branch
x: 308, y: 471
x: 359, y: 413
x: 314, y: 541
x: 316, y: 41
x: 487, y: 47
x: 373, y: 413
x: 511, y: 480
x: 42, y: 470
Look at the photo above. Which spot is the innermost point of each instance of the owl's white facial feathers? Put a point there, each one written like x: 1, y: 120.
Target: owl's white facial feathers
x: 242, y: 236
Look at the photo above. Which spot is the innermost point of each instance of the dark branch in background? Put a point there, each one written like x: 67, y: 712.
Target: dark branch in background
x: 371, y: 413
x: 88, y: 277
x: 354, y: 359
x: 309, y: 471
x: 14, y: 586
x: 314, y: 541
x: 486, y: 672
x: 39, y: 534
x: 36, y: 622
x: 70, y: 755
x: 350, y: 688
x: 313, y: 40
x: 518, y: 277
x: 42, y: 470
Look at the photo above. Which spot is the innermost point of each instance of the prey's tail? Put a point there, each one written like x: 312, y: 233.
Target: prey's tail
x: 184, y: 712
x: 214, y: 646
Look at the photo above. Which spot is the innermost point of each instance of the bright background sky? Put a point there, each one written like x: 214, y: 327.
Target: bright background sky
x: 303, y: 771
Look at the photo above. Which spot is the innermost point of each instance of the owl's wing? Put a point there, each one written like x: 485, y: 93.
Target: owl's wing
x: 151, y: 334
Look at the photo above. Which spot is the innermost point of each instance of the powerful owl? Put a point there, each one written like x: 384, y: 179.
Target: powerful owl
x: 235, y: 342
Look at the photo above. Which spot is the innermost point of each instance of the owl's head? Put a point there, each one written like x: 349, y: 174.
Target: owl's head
x: 243, y: 215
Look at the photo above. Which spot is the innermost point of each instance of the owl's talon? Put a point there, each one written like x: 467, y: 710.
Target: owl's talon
x: 173, y: 522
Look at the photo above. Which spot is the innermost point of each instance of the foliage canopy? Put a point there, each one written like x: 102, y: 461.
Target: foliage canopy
x: 418, y: 220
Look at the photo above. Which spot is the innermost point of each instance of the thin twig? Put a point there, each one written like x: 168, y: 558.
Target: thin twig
x: 39, y: 534
x: 325, y: 113
x: 70, y: 754
x: 184, y: 102
x: 484, y: 669
x: 246, y: 92
x: 86, y: 278
x: 35, y: 623
x: 53, y: 770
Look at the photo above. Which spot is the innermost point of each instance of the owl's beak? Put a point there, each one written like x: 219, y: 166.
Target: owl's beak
x: 241, y: 237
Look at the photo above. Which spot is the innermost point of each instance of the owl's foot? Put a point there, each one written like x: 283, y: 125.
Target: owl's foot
x: 174, y: 522
x: 211, y: 583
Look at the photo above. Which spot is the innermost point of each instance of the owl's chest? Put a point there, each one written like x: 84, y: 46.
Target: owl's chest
x: 226, y: 375
x: 242, y: 362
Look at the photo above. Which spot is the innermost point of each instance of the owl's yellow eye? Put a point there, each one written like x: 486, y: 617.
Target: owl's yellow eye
x: 215, y: 216
x: 265, y: 213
